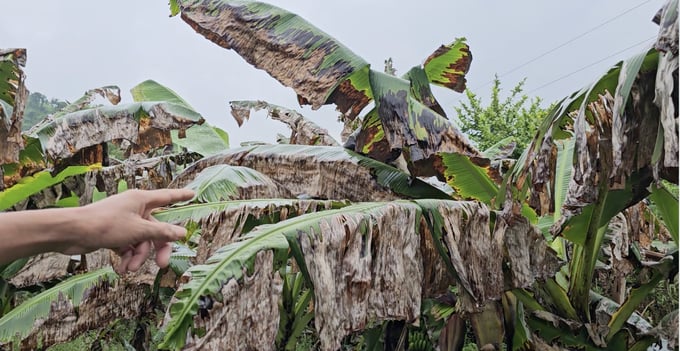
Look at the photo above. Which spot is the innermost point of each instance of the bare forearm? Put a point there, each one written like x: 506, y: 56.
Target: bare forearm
x: 26, y: 233
x: 120, y: 222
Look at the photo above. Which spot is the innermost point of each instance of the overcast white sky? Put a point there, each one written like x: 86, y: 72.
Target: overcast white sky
x: 75, y: 45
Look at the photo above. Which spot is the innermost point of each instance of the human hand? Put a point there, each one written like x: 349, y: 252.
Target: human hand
x: 123, y: 223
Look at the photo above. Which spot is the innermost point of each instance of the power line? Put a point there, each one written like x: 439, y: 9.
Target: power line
x: 567, y: 42
x: 590, y: 65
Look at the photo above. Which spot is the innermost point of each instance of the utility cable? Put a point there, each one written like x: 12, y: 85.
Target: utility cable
x: 567, y: 42
x: 589, y: 65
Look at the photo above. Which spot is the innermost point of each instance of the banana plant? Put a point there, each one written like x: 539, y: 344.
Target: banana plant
x: 608, y: 152
x: 12, y: 99
x: 320, y: 242
x: 371, y: 242
x: 321, y: 70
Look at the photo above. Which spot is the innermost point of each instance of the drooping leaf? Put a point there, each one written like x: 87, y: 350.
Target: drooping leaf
x: 666, y: 87
x: 19, y: 321
x: 630, y: 70
x: 410, y: 125
x: 227, y: 264
x: 146, y: 124
x: 200, y: 138
x: 470, y: 178
x: 30, y: 185
x: 12, y: 98
x: 319, y: 172
x: 109, y: 92
x: 448, y: 65
x: 304, y: 131
x: 563, y: 169
x: 283, y: 44
x: 552, y: 328
x: 487, y: 324
x: 197, y: 212
x: 420, y: 89
x: 31, y: 160
x: 225, y: 182
x: 371, y: 141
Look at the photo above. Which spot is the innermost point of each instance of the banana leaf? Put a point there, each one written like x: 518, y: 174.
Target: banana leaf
x: 13, y: 94
x: 324, y: 172
x: 18, y: 323
x: 201, y: 138
x: 304, y: 131
x: 142, y: 123
x: 225, y: 182
x: 30, y: 185
x: 667, y: 204
x: 228, y: 261
x: 470, y: 178
x: 449, y: 64
x: 290, y: 49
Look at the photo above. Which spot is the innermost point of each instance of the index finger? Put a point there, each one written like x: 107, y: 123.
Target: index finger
x: 164, y: 197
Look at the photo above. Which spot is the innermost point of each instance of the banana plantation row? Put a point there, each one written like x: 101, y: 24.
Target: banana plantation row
x: 406, y: 237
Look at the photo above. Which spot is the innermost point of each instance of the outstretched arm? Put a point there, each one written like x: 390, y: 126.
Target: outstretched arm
x: 121, y: 222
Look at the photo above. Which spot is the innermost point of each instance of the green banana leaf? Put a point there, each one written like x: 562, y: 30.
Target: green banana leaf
x: 563, y: 169
x: 200, y: 138
x: 199, y: 211
x: 420, y: 89
x: 225, y: 182
x: 667, y: 268
x: 250, y: 214
x: 294, y: 310
x: 18, y: 323
x: 180, y: 259
x: 11, y: 61
x: 448, y: 65
x: 667, y: 205
x: 470, y: 178
x: 30, y: 185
